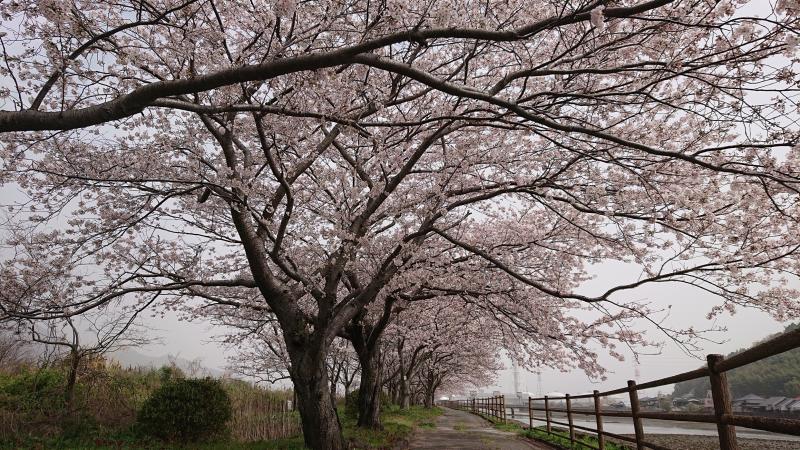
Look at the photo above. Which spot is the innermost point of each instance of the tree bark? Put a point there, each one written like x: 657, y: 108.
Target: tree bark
x: 405, y: 398
x: 366, y: 342
x: 428, y: 399
x: 321, y: 427
x: 369, y: 393
x: 72, y: 375
x: 334, y: 384
x: 432, y: 383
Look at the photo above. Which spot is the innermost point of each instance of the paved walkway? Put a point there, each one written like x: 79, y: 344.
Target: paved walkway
x: 465, y: 431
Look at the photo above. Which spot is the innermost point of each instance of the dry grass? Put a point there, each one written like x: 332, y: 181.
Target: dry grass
x: 260, y: 415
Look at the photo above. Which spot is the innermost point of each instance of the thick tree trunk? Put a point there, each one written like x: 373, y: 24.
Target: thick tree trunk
x: 321, y: 427
x: 405, y: 398
x: 366, y: 342
x: 430, y: 392
x: 369, y: 393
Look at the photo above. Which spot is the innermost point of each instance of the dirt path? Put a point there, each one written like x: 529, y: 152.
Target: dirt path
x: 465, y: 431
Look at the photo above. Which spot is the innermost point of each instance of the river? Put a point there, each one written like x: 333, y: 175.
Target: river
x: 619, y: 425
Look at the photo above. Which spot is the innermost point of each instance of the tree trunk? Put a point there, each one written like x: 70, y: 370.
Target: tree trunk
x: 72, y: 375
x: 394, y: 393
x: 369, y: 393
x: 428, y: 400
x: 321, y: 427
x: 430, y: 392
x: 405, y: 398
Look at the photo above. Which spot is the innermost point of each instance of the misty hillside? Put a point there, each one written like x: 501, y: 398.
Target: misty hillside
x: 778, y: 375
x: 131, y: 358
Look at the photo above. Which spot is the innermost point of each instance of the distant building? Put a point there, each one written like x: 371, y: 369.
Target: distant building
x: 784, y: 404
x: 685, y: 401
x: 649, y: 402
x: 749, y: 402
x: 770, y: 404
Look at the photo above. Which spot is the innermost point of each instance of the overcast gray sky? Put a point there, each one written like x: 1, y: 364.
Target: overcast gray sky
x: 689, y: 308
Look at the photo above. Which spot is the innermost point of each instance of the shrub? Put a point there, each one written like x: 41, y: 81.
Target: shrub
x: 186, y: 410
x: 33, y: 390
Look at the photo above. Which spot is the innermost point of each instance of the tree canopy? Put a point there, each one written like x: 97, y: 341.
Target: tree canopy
x: 310, y: 165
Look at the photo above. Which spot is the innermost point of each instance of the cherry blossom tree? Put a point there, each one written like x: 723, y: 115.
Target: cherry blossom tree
x: 39, y: 288
x: 293, y: 162
x: 450, y: 347
x: 344, y: 368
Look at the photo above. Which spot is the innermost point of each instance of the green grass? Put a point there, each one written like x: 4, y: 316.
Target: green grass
x: 398, y: 424
x: 559, y: 437
x: 131, y: 443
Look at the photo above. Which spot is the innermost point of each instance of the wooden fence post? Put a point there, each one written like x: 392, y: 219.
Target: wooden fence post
x: 601, y: 438
x: 722, y: 403
x: 530, y: 414
x: 569, y: 420
x: 547, y: 413
x: 637, y: 421
x: 503, y: 407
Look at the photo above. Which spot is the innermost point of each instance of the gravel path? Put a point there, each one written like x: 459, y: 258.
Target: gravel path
x: 464, y: 431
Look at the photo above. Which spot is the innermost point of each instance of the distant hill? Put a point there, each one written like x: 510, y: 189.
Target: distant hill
x: 132, y: 358
x: 777, y: 375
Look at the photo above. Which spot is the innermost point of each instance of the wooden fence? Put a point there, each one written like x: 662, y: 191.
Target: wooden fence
x: 494, y: 407
x: 722, y: 415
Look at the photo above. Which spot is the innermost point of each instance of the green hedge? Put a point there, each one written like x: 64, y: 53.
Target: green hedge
x: 186, y: 410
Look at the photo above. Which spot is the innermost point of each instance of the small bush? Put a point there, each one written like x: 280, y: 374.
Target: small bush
x: 186, y: 410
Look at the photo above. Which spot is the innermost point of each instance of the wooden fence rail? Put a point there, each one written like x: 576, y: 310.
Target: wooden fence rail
x: 494, y: 407
x: 722, y: 415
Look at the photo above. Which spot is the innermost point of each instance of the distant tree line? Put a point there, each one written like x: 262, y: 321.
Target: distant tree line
x: 778, y: 375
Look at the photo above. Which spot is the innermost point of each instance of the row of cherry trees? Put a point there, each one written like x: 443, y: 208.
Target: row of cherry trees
x: 327, y: 169
x: 441, y: 347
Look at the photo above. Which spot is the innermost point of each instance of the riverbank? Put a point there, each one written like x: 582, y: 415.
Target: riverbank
x: 697, y: 442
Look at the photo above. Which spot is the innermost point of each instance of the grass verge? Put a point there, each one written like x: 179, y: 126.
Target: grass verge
x: 559, y: 437
x: 398, y: 424
x: 123, y: 442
